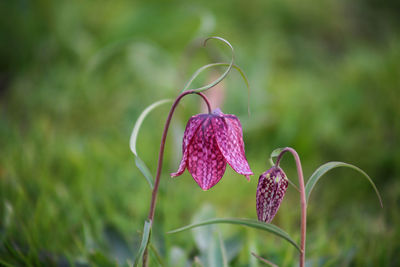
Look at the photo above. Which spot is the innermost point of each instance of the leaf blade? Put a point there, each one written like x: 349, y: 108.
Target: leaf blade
x: 264, y: 260
x: 145, y: 171
x: 139, y: 121
x: 144, y: 243
x: 133, y: 139
x: 274, y: 154
x: 241, y: 72
x: 219, y: 79
x: 323, y: 169
x: 244, y: 222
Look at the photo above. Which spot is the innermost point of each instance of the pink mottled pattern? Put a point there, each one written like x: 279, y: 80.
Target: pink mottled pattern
x: 205, y: 163
x: 191, y: 128
x: 271, y: 189
x: 230, y: 142
x: 209, y: 142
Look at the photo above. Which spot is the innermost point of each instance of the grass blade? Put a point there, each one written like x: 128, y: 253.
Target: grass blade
x: 144, y: 170
x: 156, y: 254
x: 217, y: 81
x: 144, y: 243
x: 138, y: 124
x: 5, y: 263
x: 274, y: 154
x: 264, y: 260
x: 241, y: 72
x: 331, y: 165
x: 244, y: 222
x: 132, y: 142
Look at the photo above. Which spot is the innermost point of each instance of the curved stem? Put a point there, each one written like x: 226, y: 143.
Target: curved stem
x: 303, y: 202
x: 205, y: 100
x: 161, y: 157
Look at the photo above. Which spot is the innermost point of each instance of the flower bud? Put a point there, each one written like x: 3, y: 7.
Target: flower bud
x: 271, y: 189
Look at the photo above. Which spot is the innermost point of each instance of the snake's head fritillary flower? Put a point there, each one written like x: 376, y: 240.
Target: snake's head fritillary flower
x: 271, y: 189
x: 209, y: 142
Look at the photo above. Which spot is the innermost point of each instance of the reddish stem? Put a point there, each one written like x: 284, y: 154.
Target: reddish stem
x: 303, y: 202
x: 161, y: 157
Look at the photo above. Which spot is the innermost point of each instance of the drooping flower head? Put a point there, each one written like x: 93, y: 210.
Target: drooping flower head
x: 209, y: 142
x: 271, y: 189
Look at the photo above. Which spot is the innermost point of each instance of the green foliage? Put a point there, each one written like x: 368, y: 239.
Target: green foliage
x: 220, y: 78
x: 132, y: 142
x: 74, y: 75
x: 145, y: 242
x: 244, y: 222
x: 323, y: 169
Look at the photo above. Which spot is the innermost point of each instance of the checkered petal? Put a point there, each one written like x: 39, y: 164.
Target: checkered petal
x: 228, y: 133
x: 192, y: 126
x: 271, y: 189
x: 205, y: 161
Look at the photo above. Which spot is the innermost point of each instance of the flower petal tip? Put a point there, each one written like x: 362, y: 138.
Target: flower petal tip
x: 205, y: 187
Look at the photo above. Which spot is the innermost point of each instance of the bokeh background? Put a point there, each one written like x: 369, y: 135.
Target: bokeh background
x: 75, y: 75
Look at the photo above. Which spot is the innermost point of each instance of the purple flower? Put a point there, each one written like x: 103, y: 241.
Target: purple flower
x: 271, y: 189
x: 209, y: 142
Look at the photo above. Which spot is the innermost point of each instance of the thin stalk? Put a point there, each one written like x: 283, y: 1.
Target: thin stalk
x: 264, y: 260
x: 303, y: 203
x: 161, y: 157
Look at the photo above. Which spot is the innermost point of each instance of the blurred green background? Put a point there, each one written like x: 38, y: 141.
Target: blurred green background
x: 75, y: 75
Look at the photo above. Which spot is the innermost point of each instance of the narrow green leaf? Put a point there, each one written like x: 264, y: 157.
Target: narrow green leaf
x: 6, y: 264
x: 274, y: 154
x: 241, y: 72
x: 138, y: 124
x: 270, y: 263
x: 132, y: 142
x: 331, y: 165
x: 156, y: 254
x: 219, y: 79
x: 144, y: 243
x: 144, y: 170
x: 16, y: 253
x: 244, y: 222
